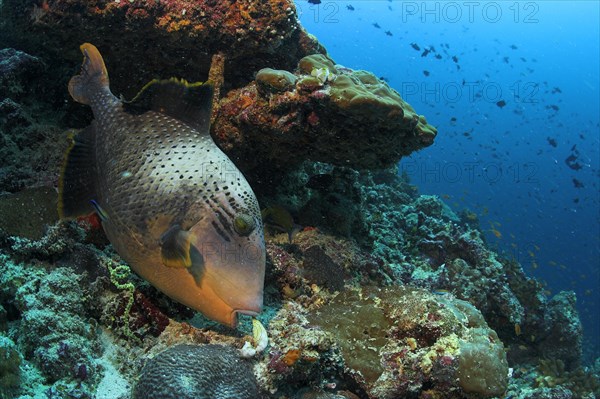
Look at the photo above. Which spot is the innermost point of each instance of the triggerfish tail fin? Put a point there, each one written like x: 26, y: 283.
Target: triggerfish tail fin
x: 76, y: 184
x: 93, y: 75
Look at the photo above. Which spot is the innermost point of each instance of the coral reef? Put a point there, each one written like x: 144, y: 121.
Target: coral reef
x: 10, y: 362
x: 384, y: 293
x: 300, y: 354
x: 172, y: 38
x: 28, y: 212
x: 196, y: 372
x: 31, y: 144
x: 323, y: 118
x: 552, y: 373
x: 53, y: 333
x: 402, y: 340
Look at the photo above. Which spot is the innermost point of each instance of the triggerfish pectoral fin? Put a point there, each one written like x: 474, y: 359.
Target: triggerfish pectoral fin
x: 176, y: 247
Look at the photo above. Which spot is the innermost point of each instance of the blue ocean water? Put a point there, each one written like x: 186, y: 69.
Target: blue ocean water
x: 513, y: 88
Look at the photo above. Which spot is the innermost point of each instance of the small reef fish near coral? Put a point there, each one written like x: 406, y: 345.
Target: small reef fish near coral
x: 229, y: 217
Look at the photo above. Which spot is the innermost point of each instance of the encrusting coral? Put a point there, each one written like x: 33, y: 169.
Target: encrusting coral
x: 324, y: 113
x: 196, y: 372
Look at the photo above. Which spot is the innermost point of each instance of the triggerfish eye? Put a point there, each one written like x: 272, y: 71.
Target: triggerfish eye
x: 244, y: 224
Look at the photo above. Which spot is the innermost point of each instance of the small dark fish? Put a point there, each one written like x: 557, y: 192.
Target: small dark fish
x: 278, y: 218
x: 572, y: 163
x: 453, y: 119
x: 552, y: 142
x: 438, y: 56
x: 387, y: 32
x: 375, y: 24
x: 523, y: 59
x: 577, y: 183
x: 314, y: 1
x: 415, y: 46
x: 576, y: 200
x: 505, y: 59
x: 349, y: 7
x: 556, y: 90
x: 501, y: 103
x: 384, y: 79
x: 425, y: 52
x: 552, y: 107
x: 512, y: 46
x: 455, y: 58
x: 426, y: 73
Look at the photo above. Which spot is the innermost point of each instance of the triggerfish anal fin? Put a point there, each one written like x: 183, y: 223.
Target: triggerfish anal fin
x: 190, y: 103
x: 76, y: 183
x: 93, y: 75
x: 176, y: 247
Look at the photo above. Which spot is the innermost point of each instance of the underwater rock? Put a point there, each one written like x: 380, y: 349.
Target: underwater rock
x: 400, y: 341
x: 196, y: 372
x: 59, y: 344
x: 29, y: 212
x: 322, y: 270
x: 17, y: 71
x: 29, y: 150
x: 316, y: 261
x: 300, y: 355
x: 342, y: 117
x: 274, y: 81
x: 564, y: 338
x: 10, y: 372
x: 173, y: 38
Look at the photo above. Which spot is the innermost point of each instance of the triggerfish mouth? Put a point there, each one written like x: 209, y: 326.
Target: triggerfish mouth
x: 172, y: 204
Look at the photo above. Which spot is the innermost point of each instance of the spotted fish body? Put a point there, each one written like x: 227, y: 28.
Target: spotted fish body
x: 172, y: 203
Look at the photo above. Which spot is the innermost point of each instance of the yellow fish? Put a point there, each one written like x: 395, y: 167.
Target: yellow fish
x: 280, y: 219
x: 172, y: 204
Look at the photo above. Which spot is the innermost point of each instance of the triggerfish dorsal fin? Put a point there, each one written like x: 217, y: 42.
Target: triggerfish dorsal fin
x: 93, y: 75
x: 76, y: 187
x: 175, y: 246
x: 190, y: 103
